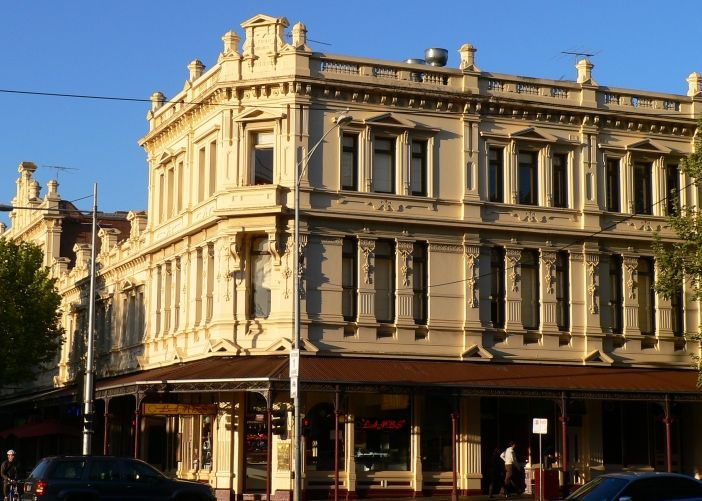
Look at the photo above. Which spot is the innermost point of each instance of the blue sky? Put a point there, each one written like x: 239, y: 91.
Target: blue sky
x: 131, y: 48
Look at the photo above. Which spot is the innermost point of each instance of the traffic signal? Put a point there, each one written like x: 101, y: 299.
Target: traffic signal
x: 306, y: 427
x: 279, y: 422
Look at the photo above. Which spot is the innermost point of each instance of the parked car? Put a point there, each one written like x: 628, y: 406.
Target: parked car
x: 650, y: 486
x: 98, y: 478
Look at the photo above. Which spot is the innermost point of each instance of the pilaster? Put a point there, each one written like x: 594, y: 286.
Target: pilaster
x: 513, y: 315
x: 631, y: 296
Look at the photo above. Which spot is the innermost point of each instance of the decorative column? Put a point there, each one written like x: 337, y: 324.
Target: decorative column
x: 549, y: 324
x: 592, y: 306
x: 472, y: 326
x: 513, y: 315
x: 511, y: 177
x: 545, y: 176
x: 366, y: 289
x: 631, y: 296
x: 405, y: 293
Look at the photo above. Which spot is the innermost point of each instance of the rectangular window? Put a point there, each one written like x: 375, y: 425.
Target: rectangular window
x: 176, y: 296
x: 672, y: 185
x: 419, y: 283
x: 384, y: 281
x: 263, y: 158
x: 643, y: 201
x: 213, y: 168
x: 180, y: 188
x: 349, y: 279
x: 161, y: 197
x: 383, y: 165
x: 418, y: 169
x: 166, y: 301
x: 210, y: 282
x: 613, y: 194
x: 159, y: 289
x: 528, y: 178
x: 198, y: 286
x: 496, y: 174
x: 562, y: 291
x: 349, y: 162
x: 530, y: 289
x: 616, y: 297
x: 201, y: 174
x: 261, y: 268
x: 170, y: 195
x: 677, y: 317
x: 647, y: 296
x: 497, y: 287
x: 560, y: 180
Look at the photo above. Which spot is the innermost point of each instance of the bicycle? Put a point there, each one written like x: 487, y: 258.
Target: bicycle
x: 14, y: 492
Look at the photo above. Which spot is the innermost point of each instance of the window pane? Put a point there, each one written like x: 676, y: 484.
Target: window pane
x: 263, y: 165
x: 497, y: 287
x: 419, y: 283
x: 642, y: 188
x: 418, y: 168
x: 349, y: 162
x: 672, y: 177
x: 527, y: 178
x: 384, y: 282
x: 261, y: 278
x: 616, y: 301
x: 562, y: 292
x: 560, y: 181
x: 613, y: 193
x: 384, y: 166
x: 530, y: 289
x: 496, y: 175
x: 382, y: 433
x: 647, y: 311
x: 349, y: 268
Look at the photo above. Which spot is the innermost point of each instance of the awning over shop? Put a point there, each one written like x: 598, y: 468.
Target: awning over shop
x: 485, y: 378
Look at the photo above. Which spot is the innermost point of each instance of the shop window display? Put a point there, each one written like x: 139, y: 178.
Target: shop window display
x: 318, y: 428
x: 382, y: 433
x: 436, y: 434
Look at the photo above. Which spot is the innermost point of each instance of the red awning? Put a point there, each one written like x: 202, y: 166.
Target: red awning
x: 41, y: 429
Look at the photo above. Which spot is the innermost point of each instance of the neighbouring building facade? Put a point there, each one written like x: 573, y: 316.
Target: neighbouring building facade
x: 475, y: 253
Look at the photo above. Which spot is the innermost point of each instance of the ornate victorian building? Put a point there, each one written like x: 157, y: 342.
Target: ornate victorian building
x: 475, y: 253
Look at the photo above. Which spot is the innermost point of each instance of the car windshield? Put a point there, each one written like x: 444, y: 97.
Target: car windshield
x: 40, y: 469
x: 599, y: 489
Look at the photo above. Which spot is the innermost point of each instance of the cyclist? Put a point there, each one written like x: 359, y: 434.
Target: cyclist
x: 9, y: 470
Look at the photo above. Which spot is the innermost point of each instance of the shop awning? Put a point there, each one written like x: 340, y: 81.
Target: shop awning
x: 485, y: 378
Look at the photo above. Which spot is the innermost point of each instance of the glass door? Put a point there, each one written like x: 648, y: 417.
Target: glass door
x: 256, y: 439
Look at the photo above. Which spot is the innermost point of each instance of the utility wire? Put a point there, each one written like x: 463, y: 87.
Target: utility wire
x: 383, y: 108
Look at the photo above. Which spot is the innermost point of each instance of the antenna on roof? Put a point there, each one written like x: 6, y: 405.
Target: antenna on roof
x: 58, y: 168
x: 577, y: 53
x: 289, y: 35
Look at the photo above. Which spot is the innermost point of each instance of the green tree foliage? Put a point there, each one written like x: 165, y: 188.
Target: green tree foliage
x: 680, y: 262
x: 30, y: 332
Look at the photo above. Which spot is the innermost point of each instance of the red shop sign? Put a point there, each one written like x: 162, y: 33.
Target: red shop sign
x: 382, y: 424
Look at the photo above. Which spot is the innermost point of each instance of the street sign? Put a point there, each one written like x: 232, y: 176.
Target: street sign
x: 294, y: 384
x: 540, y: 426
x: 294, y: 363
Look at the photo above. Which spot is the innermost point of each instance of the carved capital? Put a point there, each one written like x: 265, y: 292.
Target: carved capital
x: 548, y: 258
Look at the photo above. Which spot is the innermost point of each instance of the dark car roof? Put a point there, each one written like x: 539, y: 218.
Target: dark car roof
x: 630, y: 475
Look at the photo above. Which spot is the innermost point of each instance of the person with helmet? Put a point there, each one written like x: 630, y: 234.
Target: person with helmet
x: 9, y: 470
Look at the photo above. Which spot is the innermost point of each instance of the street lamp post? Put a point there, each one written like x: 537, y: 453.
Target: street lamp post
x: 88, y: 386
x: 300, y: 168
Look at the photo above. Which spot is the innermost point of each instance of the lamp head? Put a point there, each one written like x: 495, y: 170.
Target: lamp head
x: 342, y: 119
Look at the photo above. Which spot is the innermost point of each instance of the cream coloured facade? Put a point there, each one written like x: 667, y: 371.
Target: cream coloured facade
x: 463, y: 219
